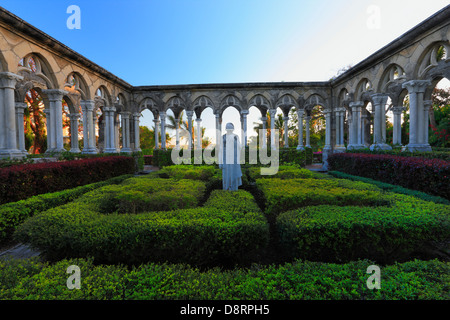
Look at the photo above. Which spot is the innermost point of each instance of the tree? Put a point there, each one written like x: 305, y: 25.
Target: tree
x: 34, y: 117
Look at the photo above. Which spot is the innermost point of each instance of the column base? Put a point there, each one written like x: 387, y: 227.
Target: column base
x: 380, y: 146
x: 110, y: 150
x: 417, y: 148
x: 12, y: 154
x: 355, y: 146
x: 77, y: 150
x: 339, y: 149
x: 139, y: 149
x: 126, y: 150
x: 89, y: 151
x: 300, y: 148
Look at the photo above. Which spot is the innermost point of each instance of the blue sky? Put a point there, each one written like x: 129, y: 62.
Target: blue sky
x: 159, y: 42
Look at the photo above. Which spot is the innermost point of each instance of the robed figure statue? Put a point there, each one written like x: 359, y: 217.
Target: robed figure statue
x: 229, y: 158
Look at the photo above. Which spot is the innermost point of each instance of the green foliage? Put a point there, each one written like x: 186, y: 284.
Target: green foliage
x: 94, y: 226
x: 281, y: 195
x: 14, y: 213
x: 300, y: 280
x: 391, y: 187
x: 385, y: 234
x: 284, y: 172
x: 196, y: 172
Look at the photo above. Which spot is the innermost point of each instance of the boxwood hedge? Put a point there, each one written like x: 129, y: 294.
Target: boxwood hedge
x: 14, y: 213
x: 214, y: 234
x: 283, y: 195
x: 300, y: 280
x: 386, y: 233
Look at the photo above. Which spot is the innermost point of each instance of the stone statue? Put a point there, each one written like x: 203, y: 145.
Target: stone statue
x: 229, y: 158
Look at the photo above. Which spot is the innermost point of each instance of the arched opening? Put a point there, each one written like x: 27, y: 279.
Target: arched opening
x: 147, y: 131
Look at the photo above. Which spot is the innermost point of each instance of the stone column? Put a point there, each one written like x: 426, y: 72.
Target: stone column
x: 356, y: 125
x: 379, y: 125
x: 109, y: 129
x: 300, y: 114
x: 87, y: 106
x: 350, y: 130
x: 8, y: 123
x: 340, y: 112
x: 397, y: 130
x: 199, y: 133
x: 189, y: 115
x: 162, y: 115
x: 218, y: 129
x: 55, y: 97
x: 177, y: 133
x: 244, y: 114
x: 286, y: 133
x: 426, y: 116
x: 20, y: 110
x: 341, y: 124
x: 327, y: 149
x: 74, y: 119
x: 112, y: 130
x: 125, y: 132
x: 137, y: 142
x: 264, y: 132
x: 308, y: 131
x: 272, y: 113
x: 157, y: 122
x: 416, y: 90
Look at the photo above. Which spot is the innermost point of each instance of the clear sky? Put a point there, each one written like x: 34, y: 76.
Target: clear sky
x: 159, y: 42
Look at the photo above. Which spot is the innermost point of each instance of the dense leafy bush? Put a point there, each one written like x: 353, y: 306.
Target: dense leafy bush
x: 209, y: 235
x: 300, y: 280
x: 428, y: 175
x: 24, y: 181
x: 162, y: 158
x: 284, y: 172
x: 385, y: 234
x: 13, y: 214
x: 203, y: 173
x: 282, y: 195
x: 391, y: 187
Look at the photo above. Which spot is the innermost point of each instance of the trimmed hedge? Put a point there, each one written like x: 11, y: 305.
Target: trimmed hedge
x: 384, y: 234
x: 215, y: 234
x: 427, y: 175
x: 390, y: 187
x: 143, y: 194
x: 283, y: 195
x: 162, y: 158
x: 13, y: 214
x: 24, y: 181
x: 415, y: 280
x: 284, y: 172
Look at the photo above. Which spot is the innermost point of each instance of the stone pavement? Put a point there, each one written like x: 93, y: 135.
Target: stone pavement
x: 19, y: 251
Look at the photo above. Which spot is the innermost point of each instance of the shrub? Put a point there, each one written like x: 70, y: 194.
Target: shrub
x: 284, y: 172
x: 210, y: 235
x: 300, y: 280
x: 438, y: 153
x: 162, y: 158
x: 427, y: 175
x: 283, y: 195
x: 24, y: 181
x: 13, y: 214
x: 391, y: 187
x: 196, y: 172
x: 384, y: 234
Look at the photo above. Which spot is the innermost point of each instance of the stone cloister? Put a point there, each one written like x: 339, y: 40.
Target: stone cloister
x: 356, y: 102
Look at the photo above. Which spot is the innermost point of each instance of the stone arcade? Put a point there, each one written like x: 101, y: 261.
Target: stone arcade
x: 30, y: 59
